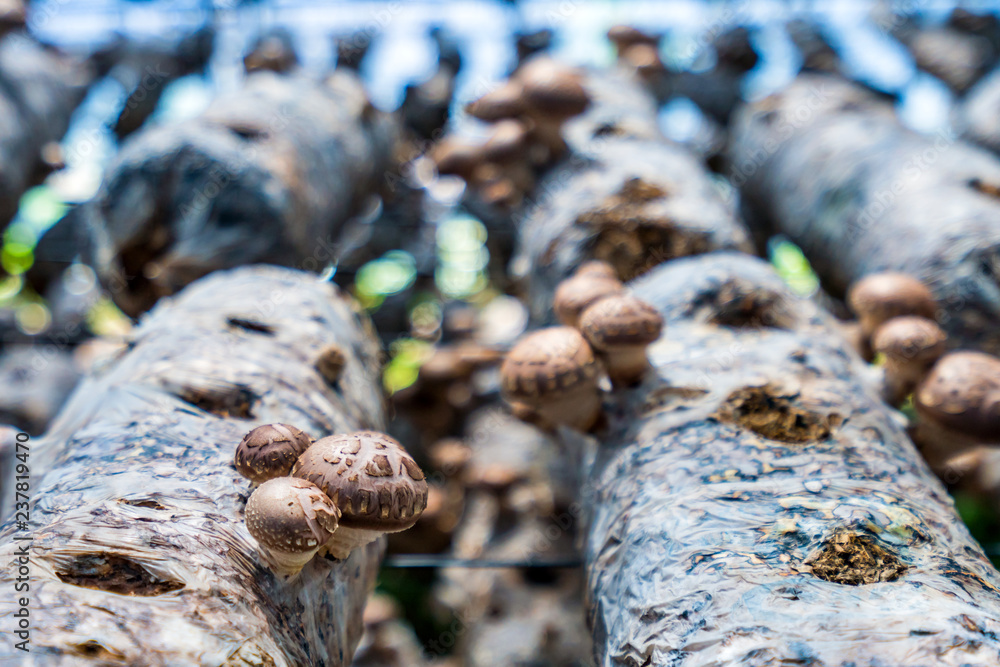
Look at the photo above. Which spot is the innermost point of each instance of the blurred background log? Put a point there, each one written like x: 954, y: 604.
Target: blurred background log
x: 139, y: 551
x: 827, y: 164
x: 272, y: 173
x: 39, y: 89
x: 754, y: 502
x: 632, y: 203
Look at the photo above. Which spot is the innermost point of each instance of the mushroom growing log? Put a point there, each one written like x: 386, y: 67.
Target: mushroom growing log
x: 139, y: 553
x: 633, y: 203
x: 753, y: 502
x: 272, y: 173
x: 39, y: 89
x: 827, y: 164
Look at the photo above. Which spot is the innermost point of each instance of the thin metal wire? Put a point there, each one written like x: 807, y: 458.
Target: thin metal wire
x: 416, y: 561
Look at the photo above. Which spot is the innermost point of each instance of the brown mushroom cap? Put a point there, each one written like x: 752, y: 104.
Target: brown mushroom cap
x: 508, y: 142
x: 330, y: 362
x: 645, y: 58
x: 548, y: 362
x: 456, y: 157
x: 620, y: 320
x: 624, y: 36
x: 596, y: 267
x: 910, y: 340
x: 370, y: 477
x: 879, y: 297
x: 506, y: 101
x: 445, y: 365
x: 291, y: 516
x: 962, y: 393
x: 553, y: 89
x: 576, y: 294
x: 270, y: 451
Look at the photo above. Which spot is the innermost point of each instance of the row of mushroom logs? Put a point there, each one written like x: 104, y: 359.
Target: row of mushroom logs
x: 328, y: 496
x: 552, y: 376
x: 527, y: 113
x: 956, y: 395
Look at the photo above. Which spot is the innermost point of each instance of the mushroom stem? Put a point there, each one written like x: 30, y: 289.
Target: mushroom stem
x: 548, y: 132
x: 946, y: 451
x: 286, y: 565
x: 345, y: 540
x: 579, y: 408
x: 900, y: 380
x: 626, y: 364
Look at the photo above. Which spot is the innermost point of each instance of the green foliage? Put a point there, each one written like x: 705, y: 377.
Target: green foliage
x: 792, y: 266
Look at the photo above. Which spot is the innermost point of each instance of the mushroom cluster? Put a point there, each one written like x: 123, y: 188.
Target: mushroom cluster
x: 552, y: 376
x: 956, y: 395
x: 527, y: 113
x: 638, y: 50
x: 329, y: 496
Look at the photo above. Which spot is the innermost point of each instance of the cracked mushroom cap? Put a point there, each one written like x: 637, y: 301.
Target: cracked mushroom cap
x: 879, y: 297
x: 270, y: 451
x: 547, y: 363
x: 577, y: 293
x: 624, y: 36
x: 621, y: 320
x: 291, y: 516
x: 370, y: 477
x: 962, y: 393
x: 506, y: 101
x: 910, y: 340
x: 553, y: 89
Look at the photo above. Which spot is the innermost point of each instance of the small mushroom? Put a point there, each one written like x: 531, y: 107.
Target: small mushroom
x: 958, y: 406
x: 621, y: 327
x: 553, y: 373
x: 331, y: 362
x: 645, y: 59
x: 507, y: 101
x: 553, y: 93
x: 274, y: 51
x: 508, y: 147
x: 910, y: 346
x: 456, y: 157
x: 372, y: 480
x: 269, y: 451
x: 879, y: 297
x: 583, y: 289
x: 291, y: 519
x: 625, y: 36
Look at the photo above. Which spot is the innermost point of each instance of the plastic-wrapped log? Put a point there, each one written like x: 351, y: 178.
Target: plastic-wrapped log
x: 828, y: 164
x: 620, y: 107
x: 958, y: 52
x: 635, y: 203
x: 976, y: 115
x: 755, y: 503
x: 145, y: 70
x: 139, y: 554
x: 39, y: 90
x: 271, y: 173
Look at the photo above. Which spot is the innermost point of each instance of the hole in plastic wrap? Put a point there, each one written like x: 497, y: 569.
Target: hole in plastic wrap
x: 115, y: 574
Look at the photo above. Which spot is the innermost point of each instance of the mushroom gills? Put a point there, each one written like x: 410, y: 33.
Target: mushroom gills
x: 285, y: 565
x: 345, y: 540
